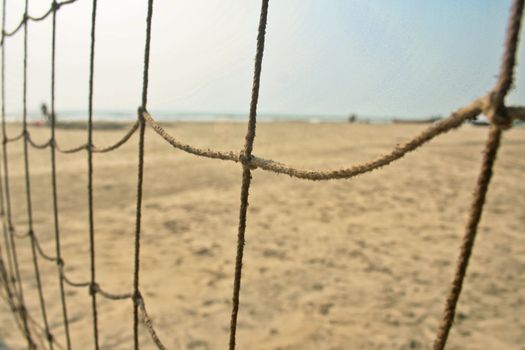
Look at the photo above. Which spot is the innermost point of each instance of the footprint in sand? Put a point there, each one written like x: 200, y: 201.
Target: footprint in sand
x: 274, y: 253
x: 198, y: 345
x: 176, y: 227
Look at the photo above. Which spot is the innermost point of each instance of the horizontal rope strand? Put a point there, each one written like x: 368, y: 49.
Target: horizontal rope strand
x: 455, y: 120
x: 105, y: 149
x: 25, y: 18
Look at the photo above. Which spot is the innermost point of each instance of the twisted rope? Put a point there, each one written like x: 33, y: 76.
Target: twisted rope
x: 245, y: 157
x: 29, y: 204
x: 9, y: 275
x: 40, y: 331
x: 53, y: 144
x: 508, y: 61
x: 42, y: 253
x: 71, y: 150
x: 453, y: 121
x: 90, y: 175
x: 60, y: 266
x: 95, y: 288
x: 37, y: 145
x: 17, y: 280
x: 69, y: 281
x: 497, y: 113
x: 52, y: 141
x: 9, y: 297
x: 26, y: 17
x: 14, y: 138
x: 6, y: 276
x: 120, y: 142
x: 140, y: 179
x: 149, y: 324
x: 467, y: 243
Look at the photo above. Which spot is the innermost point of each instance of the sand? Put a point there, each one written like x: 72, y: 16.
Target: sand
x: 347, y: 264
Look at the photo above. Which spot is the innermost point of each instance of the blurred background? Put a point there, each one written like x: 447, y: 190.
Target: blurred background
x: 323, y: 60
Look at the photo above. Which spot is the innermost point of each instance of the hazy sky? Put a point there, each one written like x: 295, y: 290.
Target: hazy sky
x: 378, y: 58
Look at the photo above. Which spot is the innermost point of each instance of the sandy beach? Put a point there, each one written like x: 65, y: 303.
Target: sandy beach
x: 346, y: 264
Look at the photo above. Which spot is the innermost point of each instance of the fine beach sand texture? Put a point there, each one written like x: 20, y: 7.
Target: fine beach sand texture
x: 346, y: 264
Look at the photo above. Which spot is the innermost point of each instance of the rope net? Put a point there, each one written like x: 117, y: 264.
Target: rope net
x: 38, y: 334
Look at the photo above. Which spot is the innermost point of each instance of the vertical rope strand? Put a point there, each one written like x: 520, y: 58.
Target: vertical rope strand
x: 489, y: 157
x: 28, y: 191
x: 9, y: 278
x: 508, y: 61
x: 5, y: 195
x: 17, y: 287
x: 6, y: 274
x: 246, y: 171
x: 90, y: 178
x: 54, y: 181
x: 476, y: 209
x: 140, y: 177
x: 5, y: 277
x: 9, y: 269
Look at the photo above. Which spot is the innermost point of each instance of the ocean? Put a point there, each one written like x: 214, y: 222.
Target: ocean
x: 174, y: 116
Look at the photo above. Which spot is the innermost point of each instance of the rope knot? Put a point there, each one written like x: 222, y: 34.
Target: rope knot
x: 137, y: 298
x: 247, y: 161
x: 50, y: 337
x: 496, y: 112
x: 93, y: 288
x: 55, y: 6
x: 31, y: 233
x: 22, y: 310
x: 60, y: 263
x: 140, y: 113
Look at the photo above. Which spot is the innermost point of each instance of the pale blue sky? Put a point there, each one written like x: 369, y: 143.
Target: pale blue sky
x: 408, y: 58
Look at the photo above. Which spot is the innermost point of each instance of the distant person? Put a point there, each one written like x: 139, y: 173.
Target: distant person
x: 352, y: 118
x: 47, y: 114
